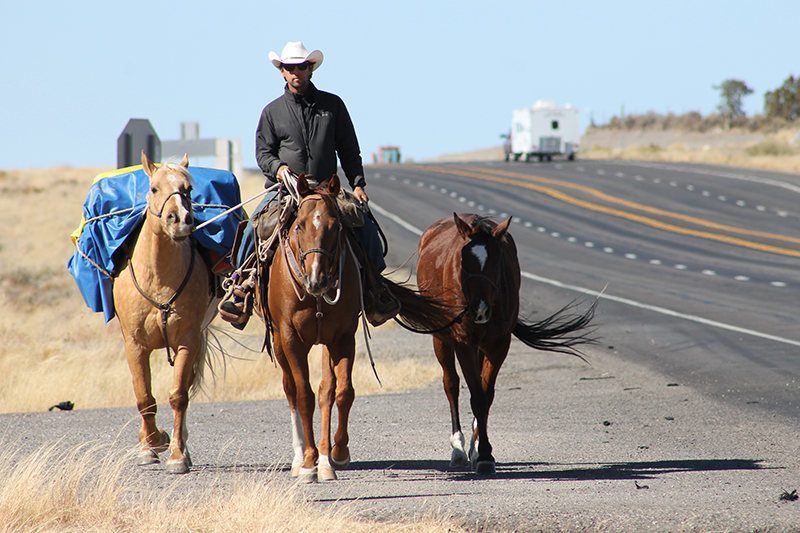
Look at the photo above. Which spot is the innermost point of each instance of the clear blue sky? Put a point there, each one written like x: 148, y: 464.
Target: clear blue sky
x: 432, y: 77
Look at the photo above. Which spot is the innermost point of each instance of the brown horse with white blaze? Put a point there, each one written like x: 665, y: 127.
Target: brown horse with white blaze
x: 314, y: 297
x: 162, y: 300
x: 473, y: 261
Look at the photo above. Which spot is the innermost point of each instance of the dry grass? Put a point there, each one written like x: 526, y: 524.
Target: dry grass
x: 779, y: 151
x: 53, y: 348
x: 90, y: 488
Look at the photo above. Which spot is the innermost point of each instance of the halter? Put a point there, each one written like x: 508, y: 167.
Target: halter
x: 184, y: 195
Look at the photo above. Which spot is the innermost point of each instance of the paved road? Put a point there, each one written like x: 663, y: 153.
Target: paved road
x: 700, y: 263
x: 679, y: 422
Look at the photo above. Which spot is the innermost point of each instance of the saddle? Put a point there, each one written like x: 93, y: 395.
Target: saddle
x: 275, y: 214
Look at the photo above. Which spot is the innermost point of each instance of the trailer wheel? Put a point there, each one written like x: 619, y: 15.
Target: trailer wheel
x: 541, y: 158
x: 507, y: 158
x: 571, y: 156
x: 516, y: 157
x: 549, y: 157
x: 527, y: 158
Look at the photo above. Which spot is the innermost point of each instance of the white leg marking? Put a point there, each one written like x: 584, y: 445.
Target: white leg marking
x: 473, y: 442
x: 458, y: 457
x: 325, y: 470
x: 297, y: 444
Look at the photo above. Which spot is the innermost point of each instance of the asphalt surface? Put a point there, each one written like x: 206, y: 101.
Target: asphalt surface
x: 699, y: 264
x: 674, y: 423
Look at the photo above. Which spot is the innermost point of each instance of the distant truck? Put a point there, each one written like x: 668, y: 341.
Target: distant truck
x: 543, y: 131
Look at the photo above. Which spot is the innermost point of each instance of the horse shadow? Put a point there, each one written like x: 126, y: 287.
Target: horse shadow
x: 631, y: 470
x: 419, y: 469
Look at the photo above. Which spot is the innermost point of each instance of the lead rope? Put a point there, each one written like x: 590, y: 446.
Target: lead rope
x: 364, y: 324
x: 166, y: 307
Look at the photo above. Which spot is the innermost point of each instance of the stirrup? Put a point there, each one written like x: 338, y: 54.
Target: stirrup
x: 382, y: 306
x: 237, y: 308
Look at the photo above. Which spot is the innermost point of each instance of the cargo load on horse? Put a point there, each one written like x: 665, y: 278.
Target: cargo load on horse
x: 114, y: 211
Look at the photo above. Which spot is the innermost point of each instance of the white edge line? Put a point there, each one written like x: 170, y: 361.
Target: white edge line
x: 657, y: 309
x: 394, y: 218
x: 722, y: 174
x: 664, y: 311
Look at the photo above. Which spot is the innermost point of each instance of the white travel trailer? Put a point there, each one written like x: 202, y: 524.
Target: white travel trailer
x: 544, y: 130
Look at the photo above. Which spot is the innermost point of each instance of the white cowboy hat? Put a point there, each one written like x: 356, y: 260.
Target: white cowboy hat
x: 295, y: 53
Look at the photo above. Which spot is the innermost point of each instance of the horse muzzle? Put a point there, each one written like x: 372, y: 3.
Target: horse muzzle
x: 480, y: 313
x: 316, y: 283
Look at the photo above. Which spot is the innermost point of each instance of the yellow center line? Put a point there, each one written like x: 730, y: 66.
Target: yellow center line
x: 646, y: 208
x: 591, y: 206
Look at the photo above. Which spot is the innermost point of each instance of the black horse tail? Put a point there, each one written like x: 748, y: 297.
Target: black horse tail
x: 422, y: 312
x: 560, y: 332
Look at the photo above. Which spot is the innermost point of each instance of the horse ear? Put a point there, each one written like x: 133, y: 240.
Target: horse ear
x: 462, y: 226
x: 334, y: 185
x: 302, y: 185
x: 501, y: 229
x: 185, y: 161
x: 149, y: 167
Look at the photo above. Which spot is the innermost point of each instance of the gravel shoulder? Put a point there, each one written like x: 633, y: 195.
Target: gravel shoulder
x: 608, y: 445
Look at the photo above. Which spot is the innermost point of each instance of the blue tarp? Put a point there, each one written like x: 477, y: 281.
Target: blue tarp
x: 123, y: 196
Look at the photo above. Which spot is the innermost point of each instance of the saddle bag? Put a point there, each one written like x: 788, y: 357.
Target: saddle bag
x: 266, y: 220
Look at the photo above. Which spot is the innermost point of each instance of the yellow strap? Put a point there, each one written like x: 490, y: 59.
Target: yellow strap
x: 76, y: 234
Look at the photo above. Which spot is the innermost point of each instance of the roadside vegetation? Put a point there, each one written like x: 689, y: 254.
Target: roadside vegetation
x: 91, y: 488
x: 768, y: 140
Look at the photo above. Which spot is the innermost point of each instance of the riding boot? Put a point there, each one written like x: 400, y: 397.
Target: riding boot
x: 380, y: 304
x: 238, y: 309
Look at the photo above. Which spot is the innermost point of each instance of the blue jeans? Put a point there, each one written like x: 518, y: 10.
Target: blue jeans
x: 367, y: 235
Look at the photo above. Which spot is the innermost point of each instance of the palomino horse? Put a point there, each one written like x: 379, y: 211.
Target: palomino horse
x: 474, y: 260
x: 162, y: 299
x: 314, y: 297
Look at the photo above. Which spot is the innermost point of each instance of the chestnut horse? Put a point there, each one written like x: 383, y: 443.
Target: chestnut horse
x: 474, y: 261
x: 162, y: 300
x: 314, y: 297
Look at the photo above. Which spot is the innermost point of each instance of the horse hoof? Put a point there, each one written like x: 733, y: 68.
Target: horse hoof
x: 307, y: 475
x: 147, y: 457
x: 458, y: 459
x: 485, y: 467
x: 178, y: 466
x: 326, y: 473
x: 339, y: 465
x: 296, y: 469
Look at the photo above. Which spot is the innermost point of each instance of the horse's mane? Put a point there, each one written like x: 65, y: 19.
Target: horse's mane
x: 175, y: 167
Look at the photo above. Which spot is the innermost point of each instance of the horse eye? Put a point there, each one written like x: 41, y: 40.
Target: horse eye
x: 153, y: 190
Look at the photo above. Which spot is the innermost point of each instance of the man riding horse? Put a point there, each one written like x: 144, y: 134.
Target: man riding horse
x: 302, y: 132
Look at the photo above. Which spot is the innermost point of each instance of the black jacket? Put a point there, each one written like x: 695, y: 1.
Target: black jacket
x: 306, y: 132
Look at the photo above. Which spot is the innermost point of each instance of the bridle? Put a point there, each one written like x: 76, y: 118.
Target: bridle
x: 297, y: 264
x: 297, y: 271
x: 185, y: 195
